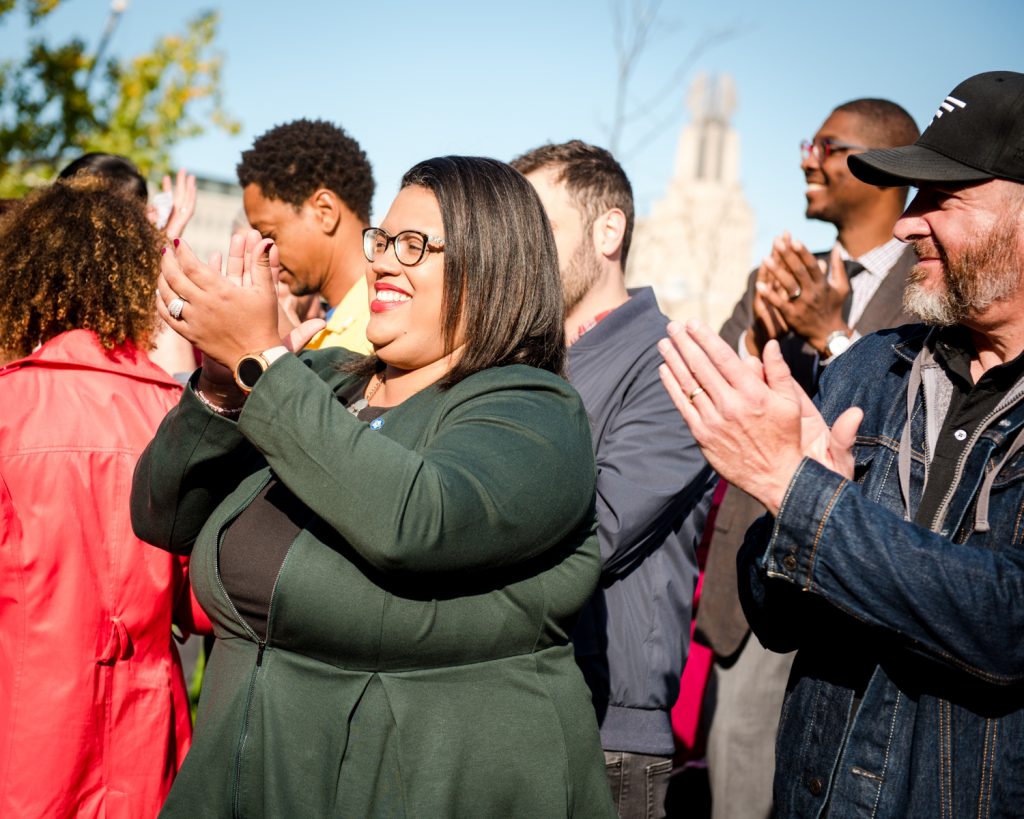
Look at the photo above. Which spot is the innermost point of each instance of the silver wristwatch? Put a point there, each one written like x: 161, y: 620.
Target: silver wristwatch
x: 837, y: 343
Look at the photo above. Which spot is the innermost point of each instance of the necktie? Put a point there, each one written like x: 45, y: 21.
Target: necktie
x: 853, y: 267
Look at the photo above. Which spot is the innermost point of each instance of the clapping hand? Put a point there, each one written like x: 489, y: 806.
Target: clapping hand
x: 183, y: 202
x: 230, y: 315
x: 752, y: 421
x: 767, y: 322
x: 799, y: 287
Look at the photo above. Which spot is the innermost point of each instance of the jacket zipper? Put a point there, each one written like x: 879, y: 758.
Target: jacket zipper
x: 940, y: 513
x: 260, y: 646
x: 236, y: 787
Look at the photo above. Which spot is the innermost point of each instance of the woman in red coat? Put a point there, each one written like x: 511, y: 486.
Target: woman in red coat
x: 94, y: 717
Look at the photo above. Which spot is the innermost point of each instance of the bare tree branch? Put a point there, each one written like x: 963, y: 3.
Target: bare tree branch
x: 635, y: 24
x: 631, y: 39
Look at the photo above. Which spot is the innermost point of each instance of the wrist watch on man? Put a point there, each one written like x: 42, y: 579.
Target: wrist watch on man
x: 837, y: 343
x: 252, y: 365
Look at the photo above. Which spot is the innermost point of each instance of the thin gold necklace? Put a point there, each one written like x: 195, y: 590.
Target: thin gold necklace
x: 376, y: 382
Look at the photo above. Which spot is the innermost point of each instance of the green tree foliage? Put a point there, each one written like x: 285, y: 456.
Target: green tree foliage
x: 59, y: 102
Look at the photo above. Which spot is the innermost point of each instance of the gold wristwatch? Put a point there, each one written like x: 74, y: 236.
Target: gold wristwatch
x: 252, y: 365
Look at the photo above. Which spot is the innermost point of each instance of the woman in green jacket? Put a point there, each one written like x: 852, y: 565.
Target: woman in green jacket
x: 392, y: 549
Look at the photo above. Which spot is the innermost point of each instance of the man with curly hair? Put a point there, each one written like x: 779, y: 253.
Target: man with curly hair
x: 308, y: 185
x: 94, y: 716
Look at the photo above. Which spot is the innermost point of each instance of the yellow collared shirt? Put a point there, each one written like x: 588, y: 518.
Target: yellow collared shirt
x: 347, y: 325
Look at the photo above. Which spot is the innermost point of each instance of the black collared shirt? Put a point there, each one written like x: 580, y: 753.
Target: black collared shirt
x: 969, y: 406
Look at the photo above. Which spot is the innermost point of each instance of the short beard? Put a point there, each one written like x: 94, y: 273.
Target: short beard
x: 581, y: 273
x: 299, y: 289
x: 985, y: 270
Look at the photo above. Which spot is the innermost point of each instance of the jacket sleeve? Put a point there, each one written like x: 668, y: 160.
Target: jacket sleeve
x: 957, y: 603
x: 650, y: 473
x: 507, y: 474
x: 742, y: 314
x: 194, y: 461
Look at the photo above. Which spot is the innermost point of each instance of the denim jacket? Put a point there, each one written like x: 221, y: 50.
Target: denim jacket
x: 907, y: 693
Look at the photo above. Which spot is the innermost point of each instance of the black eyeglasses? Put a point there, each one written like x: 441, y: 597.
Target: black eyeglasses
x: 823, y: 148
x: 410, y: 245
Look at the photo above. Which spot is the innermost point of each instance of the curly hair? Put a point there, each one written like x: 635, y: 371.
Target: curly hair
x: 76, y: 255
x: 291, y: 161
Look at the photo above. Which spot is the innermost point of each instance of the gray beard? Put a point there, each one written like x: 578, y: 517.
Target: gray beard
x: 952, y: 304
x: 931, y: 308
x: 986, y: 270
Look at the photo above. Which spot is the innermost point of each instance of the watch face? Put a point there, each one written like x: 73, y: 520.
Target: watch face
x: 250, y: 369
x: 839, y: 345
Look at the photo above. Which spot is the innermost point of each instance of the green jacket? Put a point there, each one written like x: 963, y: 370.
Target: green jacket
x: 418, y: 660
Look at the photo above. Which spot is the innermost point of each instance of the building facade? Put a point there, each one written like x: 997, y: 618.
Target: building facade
x: 695, y: 247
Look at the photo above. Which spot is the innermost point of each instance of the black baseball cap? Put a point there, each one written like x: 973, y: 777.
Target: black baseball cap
x: 977, y: 133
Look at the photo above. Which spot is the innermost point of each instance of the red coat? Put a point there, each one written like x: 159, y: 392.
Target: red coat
x: 94, y: 717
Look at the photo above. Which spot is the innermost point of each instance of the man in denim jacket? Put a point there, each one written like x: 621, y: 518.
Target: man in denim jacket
x: 892, y: 558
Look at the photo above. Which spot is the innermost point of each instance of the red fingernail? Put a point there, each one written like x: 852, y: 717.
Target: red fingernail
x: 163, y: 250
x: 176, y: 242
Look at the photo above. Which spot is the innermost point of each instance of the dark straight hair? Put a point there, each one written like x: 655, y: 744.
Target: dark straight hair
x: 501, y: 279
x: 119, y: 172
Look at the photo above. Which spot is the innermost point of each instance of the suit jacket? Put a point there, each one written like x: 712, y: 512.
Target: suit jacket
x: 721, y: 624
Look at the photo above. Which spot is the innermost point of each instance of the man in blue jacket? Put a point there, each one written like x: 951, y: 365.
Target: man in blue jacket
x: 652, y: 500
x: 892, y: 556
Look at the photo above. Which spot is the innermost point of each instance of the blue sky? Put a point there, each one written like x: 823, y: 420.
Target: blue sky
x: 411, y: 80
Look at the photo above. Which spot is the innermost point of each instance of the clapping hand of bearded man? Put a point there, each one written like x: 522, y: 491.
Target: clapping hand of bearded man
x: 752, y: 421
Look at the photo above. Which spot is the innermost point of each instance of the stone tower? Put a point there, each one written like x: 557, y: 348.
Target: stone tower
x: 695, y: 246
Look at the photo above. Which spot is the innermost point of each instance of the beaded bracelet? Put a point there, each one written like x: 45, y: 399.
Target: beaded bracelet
x: 227, y: 413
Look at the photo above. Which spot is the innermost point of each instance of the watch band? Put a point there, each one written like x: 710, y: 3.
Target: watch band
x: 274, y: 353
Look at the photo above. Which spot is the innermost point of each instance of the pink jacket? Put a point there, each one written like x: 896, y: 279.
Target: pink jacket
x: 94, y: 717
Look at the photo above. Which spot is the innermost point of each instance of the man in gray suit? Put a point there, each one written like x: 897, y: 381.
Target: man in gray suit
x: 816, y: 305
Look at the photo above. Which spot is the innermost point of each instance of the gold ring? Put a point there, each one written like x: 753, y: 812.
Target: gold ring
x: 796, y: 293
x: 695, y: 393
